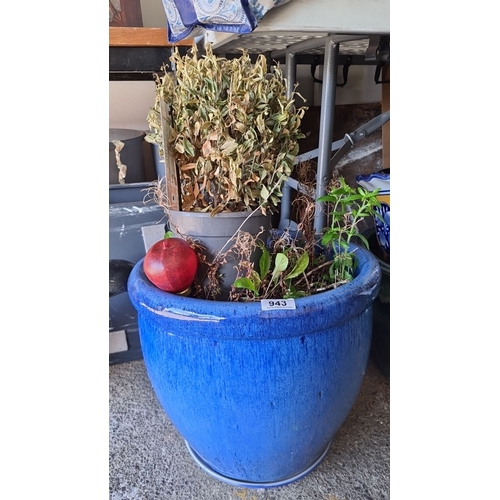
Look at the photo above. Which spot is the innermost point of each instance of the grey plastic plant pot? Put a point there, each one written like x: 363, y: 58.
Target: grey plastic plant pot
x: 215, y: 235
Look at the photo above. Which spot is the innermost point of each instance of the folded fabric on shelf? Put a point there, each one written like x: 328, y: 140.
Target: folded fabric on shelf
x: 189, y: 17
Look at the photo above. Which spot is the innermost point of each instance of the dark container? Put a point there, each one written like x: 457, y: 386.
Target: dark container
x: 131, y: 155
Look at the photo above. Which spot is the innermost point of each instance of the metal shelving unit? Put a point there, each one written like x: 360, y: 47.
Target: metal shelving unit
x: 326, y: 32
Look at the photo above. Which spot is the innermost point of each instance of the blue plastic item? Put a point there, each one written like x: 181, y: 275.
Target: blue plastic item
x: 257, y: 395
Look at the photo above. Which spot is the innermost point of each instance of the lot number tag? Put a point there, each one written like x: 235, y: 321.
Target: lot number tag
x: 277, y: 304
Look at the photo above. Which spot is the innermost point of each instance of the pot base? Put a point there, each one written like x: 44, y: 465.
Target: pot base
x: 246, y: 484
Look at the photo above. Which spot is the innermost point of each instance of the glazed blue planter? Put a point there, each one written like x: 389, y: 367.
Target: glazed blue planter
x: 257, y: 395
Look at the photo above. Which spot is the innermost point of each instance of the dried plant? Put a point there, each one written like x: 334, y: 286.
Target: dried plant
x: 234, y: 132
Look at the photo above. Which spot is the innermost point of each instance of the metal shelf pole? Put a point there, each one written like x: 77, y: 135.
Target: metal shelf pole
x: 291, y: 72
x: 326, y: 128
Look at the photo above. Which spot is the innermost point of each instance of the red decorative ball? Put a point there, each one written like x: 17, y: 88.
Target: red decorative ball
x: 171, y: 264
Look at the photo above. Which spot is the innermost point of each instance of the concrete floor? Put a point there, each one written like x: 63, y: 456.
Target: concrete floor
x: 149, y: 460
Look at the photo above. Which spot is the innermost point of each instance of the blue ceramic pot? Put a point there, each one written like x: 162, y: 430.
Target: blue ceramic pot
x: 257, y: 395
x: 380, y: 180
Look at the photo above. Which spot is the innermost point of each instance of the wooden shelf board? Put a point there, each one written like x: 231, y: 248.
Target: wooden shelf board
x: 142, y: 37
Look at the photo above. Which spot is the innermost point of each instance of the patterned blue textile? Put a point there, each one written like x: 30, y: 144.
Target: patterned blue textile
x: 232, y: 16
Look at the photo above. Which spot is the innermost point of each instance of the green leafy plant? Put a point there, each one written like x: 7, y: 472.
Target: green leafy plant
x: 348, y: 207
x: 299, y: 264
x: 277, y: 271
x: 234, y: 131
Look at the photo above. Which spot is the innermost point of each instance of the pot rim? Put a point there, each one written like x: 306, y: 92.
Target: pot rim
x: 316, y: 312
x: 243, y: 213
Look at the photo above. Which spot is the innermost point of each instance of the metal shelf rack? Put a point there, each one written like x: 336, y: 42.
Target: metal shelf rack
x: 327, y: 32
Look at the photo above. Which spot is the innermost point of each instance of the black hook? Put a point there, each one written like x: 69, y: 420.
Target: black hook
x: 314, y: 65
x: 345, y: 70
x: 377, y: 74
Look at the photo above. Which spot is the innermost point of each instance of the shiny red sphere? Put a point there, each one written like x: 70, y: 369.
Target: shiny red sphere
x: 171, y: 264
